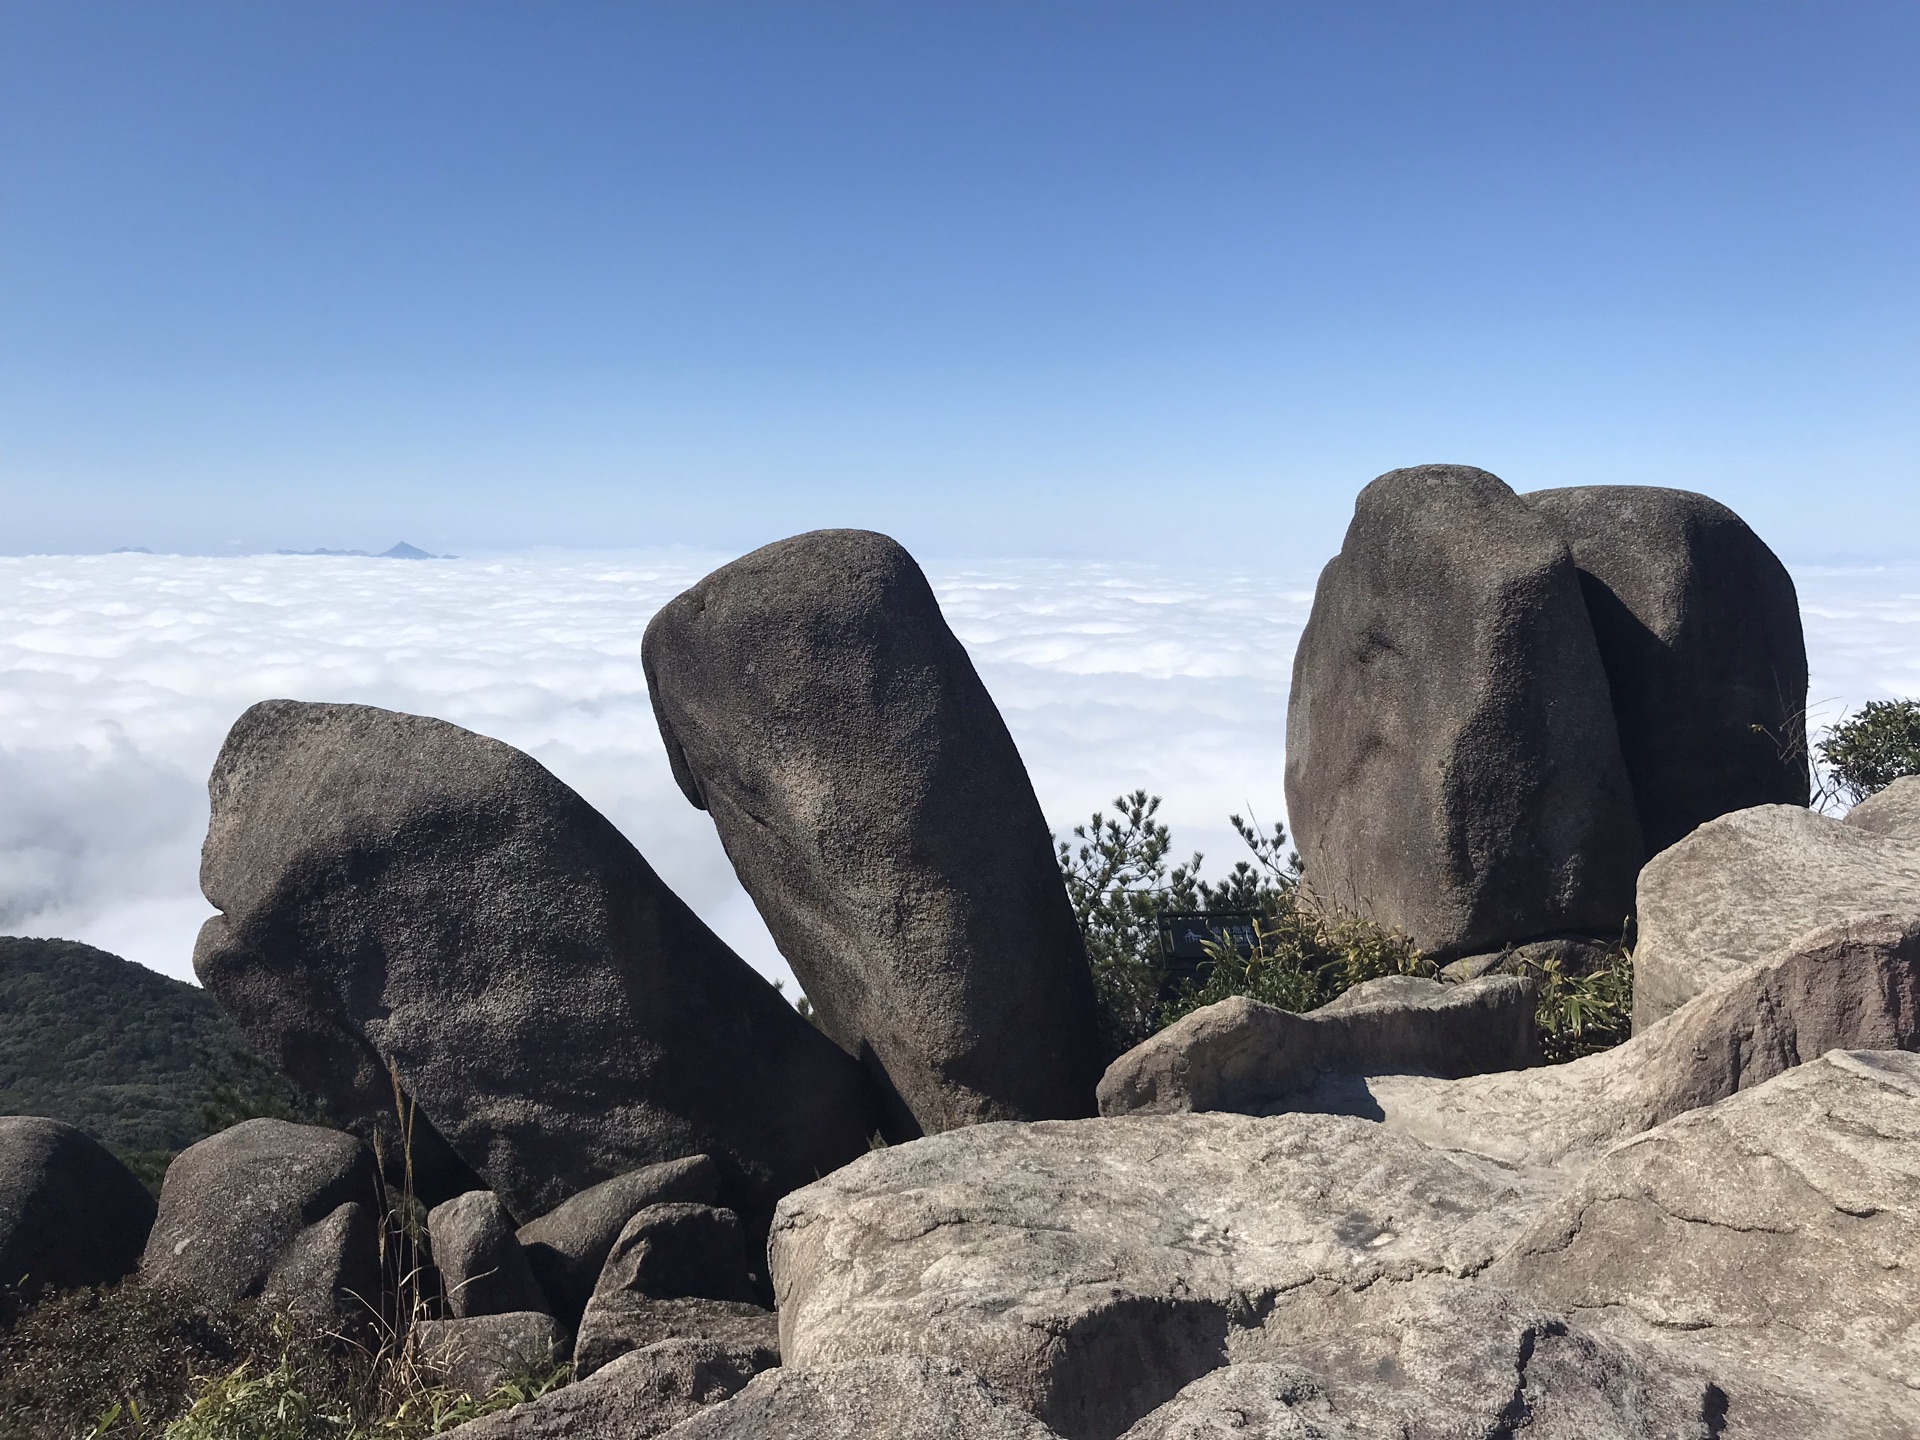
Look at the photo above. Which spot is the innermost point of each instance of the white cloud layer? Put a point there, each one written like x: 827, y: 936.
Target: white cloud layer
x: 120, y: 674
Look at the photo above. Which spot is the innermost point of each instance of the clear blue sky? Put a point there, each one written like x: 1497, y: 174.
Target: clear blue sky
x: 1000, y: 278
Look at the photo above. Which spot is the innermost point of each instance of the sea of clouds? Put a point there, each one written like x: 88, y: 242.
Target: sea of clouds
x: 119, y: 675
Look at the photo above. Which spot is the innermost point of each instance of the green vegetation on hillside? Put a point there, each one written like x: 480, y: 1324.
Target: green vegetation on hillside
x: 144, y: 1063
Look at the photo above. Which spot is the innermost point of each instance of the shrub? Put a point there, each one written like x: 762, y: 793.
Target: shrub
x: 1874, y: 747
x: 1583, y: 1012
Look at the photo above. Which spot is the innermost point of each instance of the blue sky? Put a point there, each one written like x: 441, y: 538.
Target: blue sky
x: 1038, y: 278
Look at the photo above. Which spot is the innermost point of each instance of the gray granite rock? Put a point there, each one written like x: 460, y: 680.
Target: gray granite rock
x: 636, y: 1397
x: 70, y: 1214
x: 898, y: 1397
x: 1452, y: 766
x: 1091, y: 1269
x: 483, y: 1270
x: 568, y: 1245
x: 1240, y: 1055
x: 1570, y: 955
x: 679, y: 1251
x: 1851, y: 985
x: 1698, y: 625
x: 1741, y: 886
x: 477, y: 1354
x: 813, y: 700
x: 400, y: 895
x: 270, y: 1208
x: 1779, y: 1226
x: 620, y: 1321
x: 1895, y: 811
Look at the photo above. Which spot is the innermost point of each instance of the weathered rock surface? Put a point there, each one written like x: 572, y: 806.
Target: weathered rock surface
x: 273, y: 1209
x: 1570, y: 955
x: 620, y: 1321
x: 1855, y: 985
x: 568, y: 1245
x: 1698, y: 625
x: 398, y: 891
x: 900, y: 1397
x: 70, y: 1214
x: 1743, y: 885
x: 1091, y: 1269
x: 813, y: 700
x: 635, y: 1397
x: 1785, y: 1220
x: 1239, y: 1054
x: 679, y: 1251
x: 483, y: 1270
x: 1895, y: 811
x: 479, y: 1353
x: 1453, y: 770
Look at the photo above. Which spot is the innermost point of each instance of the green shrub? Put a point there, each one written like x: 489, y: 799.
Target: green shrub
x: 1874, y: 747
x: 1583, y: 1012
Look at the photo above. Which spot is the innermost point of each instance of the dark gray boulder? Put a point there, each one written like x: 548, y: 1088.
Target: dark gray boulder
x: 1699, y: 630
x: 813, y: 700
x: 620, y: 1321
x: 680, y: 1252
x: 483, y: 1270
x: 401, y: 897
x: 568, y: 1246
x: 70, y: 1214
x: 272, y: 1209
x: 476, y: 1354
x: 1453, y: 770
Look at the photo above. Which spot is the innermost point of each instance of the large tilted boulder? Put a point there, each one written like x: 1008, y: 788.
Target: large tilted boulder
x: 70, y: 1214
x: 399, y: 892
x: 568, y: 1246
x: 1453, y: 770
x: 1090, y: 1269
x: 1239, y: 1054
x: 271, y: 1209
x: 813, y: 700
x: 1780, y: 1226
x: 1699, y: 630
x: 1741, y: 886
x: 1854, y: 985
x: 483, y: 1270
x: 900, y: 1397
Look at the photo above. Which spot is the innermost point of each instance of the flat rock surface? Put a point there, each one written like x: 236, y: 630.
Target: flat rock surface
x: 1091, y: 1269
x: 619, y: 1321
x: 897, y: 1397
x: 70, y: 1213
x: 1741, y: 886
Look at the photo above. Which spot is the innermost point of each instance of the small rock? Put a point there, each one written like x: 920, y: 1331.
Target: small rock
x: 1894, y: 811
x: 568, y: 1245
x: 1568, y: 954
x: 678, y: 1251
x: 270, y: 1207
x: 1238, y: 1054
x: 814, y: 701
x: 70, y: 1214
x: 477, y: 1354
x: 619, y: 1321
x: 635, y: 1397
x: 1742, y: 886
x: 899, y: 1397
x: 483, y: 1270
x: 1241, y: 1402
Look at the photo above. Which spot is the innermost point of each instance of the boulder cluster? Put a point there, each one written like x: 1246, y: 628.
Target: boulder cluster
x: 1517, y: 721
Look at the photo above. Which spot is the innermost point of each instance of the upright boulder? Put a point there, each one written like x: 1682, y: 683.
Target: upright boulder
x: 401, y: 895
x: 814, y: 701
x: 1699, y: 630
x: 70, y: 1214
x: 270, y: 1209
x: 483, y: 1270
x: 1453, y: 770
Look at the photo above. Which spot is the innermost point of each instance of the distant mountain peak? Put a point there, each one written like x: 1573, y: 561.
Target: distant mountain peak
x: 404, y: 551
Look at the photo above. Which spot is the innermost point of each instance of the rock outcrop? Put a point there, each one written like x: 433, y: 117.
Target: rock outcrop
x: 568, y: 1246
x: 1854, y: 985
x: 638, y: 1396
x: 1239, y: 1054
x: 813, y: 700
x: 1698, y: 625
x: 70, y: 1214
x: 271, y: 1209
x: 1741, y: 886
x: 1895, y: 811
x: 483, y: 1270
x: 1453, y: 770
x: 899, y: 1397
x: 403, y: 897
x: 476, y: 1354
